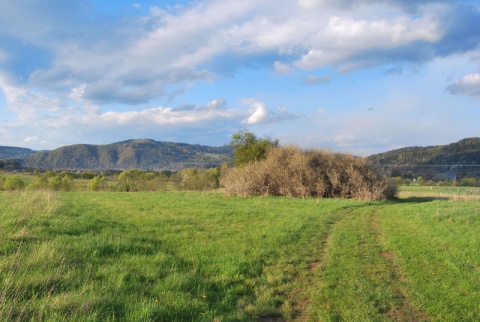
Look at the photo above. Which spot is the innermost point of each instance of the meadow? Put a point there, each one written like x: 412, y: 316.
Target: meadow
x: 201, y: 256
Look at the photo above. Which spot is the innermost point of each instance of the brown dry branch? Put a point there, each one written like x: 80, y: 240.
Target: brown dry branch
x: 292, y: 172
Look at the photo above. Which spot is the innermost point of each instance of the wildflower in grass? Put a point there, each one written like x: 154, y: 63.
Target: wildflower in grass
x: 204, y: 297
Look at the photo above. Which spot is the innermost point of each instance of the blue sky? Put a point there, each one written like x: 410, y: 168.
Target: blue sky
x: 356, y: 76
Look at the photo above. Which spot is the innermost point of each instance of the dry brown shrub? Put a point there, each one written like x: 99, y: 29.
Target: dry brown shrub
x: 289, y: 171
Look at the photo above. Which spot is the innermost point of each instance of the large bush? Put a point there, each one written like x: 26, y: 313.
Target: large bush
x: 53, y: 181
x: 290, y: 171
x: 199, y: 179
x: 12, y: 183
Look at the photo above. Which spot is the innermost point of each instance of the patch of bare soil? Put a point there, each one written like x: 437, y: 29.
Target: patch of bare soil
x: 314, y: 266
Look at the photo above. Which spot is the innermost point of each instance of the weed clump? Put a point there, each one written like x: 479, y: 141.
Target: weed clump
x: 292, y: 172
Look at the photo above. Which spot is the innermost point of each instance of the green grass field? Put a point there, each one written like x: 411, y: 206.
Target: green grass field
x: 192, y: 256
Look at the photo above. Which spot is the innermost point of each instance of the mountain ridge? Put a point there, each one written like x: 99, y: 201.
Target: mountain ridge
x: 14, y: 153
x: 467, y: 151
x: 454, y: 160
x: 146, y: 154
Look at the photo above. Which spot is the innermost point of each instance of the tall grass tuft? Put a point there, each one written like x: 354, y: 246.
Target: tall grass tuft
x: 21, y: 250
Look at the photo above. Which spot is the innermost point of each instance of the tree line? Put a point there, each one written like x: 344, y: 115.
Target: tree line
x: 422, y: 181
x: 131, y: 180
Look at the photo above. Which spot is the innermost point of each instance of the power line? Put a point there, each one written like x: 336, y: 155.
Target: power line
x: 425, y: 165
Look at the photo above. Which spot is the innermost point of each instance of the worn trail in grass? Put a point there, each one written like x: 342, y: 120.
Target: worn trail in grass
x: 356, y: 279
x: 397, y: 261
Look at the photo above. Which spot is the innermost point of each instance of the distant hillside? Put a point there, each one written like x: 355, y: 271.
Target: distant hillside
x: 460, y: 159
x: 140, y: 154
x: 10, y: 153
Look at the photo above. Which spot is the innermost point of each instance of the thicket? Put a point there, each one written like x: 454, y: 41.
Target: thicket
x: 11, y: 183
x: 290, y: 171
x: 53, y: 181
x: 198, y: 179
x: 187, y: 179
x: 131, y: 180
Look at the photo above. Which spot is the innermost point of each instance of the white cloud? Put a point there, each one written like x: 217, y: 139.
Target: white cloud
x: 218, y: 104
x: 469, y: 85
x: 260, y: 114
x: 29, y: 139
x: 28, y: 103
x: 310, y: 4
x: 352, y: 43
x: 210, y: 112
x: 409, y: 5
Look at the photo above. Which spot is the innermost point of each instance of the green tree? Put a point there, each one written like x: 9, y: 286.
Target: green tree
x: 421, y: 181
x: 40, y: 183
x: 445, y: 182
x: 399, y: 180
x: 468, y: 182
x: 247, y: 147
x: 97, y: 183
x: 13, y: 183
x: 132, y: 179
x: 50, y: 174
x: 189, y: 178
x: 213, y: 176
x: 59, y: 183
x: 200, y: 179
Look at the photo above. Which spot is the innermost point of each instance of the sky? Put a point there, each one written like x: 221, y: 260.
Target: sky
x: 353, y: 76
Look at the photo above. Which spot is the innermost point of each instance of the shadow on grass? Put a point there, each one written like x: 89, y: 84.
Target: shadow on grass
x: 417, y: 199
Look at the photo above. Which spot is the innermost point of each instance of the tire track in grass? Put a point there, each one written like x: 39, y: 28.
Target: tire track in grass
x: 355, y: 279
x: 405, y: 311
x: 302, y: 301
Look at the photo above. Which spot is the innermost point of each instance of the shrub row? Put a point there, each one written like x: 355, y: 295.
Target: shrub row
x: 289, y: 171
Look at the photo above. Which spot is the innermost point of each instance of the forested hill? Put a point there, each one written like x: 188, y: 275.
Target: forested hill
x: 140, y: 154
x: 458, y: 159
x: 466, y: 151
x: 11, y: 153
